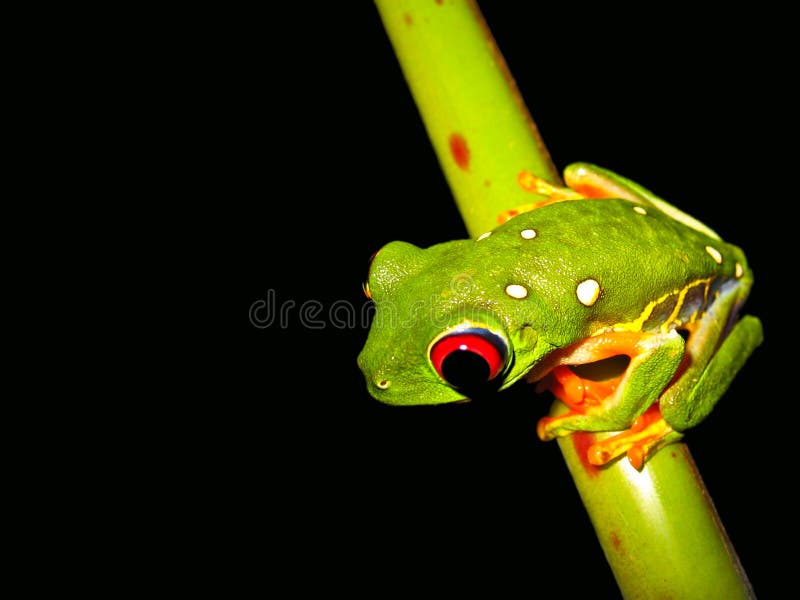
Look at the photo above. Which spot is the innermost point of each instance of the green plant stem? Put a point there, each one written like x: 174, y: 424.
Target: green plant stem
x: 476, y: 119
x: 658, y: 528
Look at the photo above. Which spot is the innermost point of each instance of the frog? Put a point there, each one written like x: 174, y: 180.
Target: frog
x: 622, y: 306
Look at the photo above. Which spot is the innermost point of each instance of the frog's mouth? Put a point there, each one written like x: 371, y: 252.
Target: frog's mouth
x: 528, y: 356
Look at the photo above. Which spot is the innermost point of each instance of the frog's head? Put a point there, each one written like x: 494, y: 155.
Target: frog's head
x: 438, y: 334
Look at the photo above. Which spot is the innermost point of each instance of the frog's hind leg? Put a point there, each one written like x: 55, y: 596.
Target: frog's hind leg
x: 662, y: 397
x: 648, y: 432
x: 711, y: 370
x: 627, y: 402
x: 700, y: 383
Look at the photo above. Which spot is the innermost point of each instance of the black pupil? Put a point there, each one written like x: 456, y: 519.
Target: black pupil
x: 465, y: 369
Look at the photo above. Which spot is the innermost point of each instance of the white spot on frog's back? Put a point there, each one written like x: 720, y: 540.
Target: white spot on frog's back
x: 739, y: 271
x: 483, y: 236
x: 517, y: 291
x: 715, y: 254
x: 640, y: 209
x: 528, y: 234
x: 588, y: 291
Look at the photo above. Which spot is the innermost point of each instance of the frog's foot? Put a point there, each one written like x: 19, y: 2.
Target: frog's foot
x: 536, y: 185
x: 648, y: 433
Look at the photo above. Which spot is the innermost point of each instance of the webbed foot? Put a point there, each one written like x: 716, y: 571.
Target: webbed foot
x: 648, y: 433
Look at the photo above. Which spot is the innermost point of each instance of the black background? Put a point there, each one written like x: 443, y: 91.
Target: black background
x: 314, y: 156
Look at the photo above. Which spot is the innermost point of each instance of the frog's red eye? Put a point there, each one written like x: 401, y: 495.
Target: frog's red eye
x: 469, y: 358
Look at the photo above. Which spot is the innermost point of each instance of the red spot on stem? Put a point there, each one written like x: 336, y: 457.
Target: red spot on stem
x: 582, y: 441
x: 616, y: 542
x: 407, y: 18
x: 439, y: 2
x: 460, y: 151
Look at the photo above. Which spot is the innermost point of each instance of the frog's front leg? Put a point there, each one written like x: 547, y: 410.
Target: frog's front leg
x: 583, y: 182
x: 620, y: 402
x: 536, y: 185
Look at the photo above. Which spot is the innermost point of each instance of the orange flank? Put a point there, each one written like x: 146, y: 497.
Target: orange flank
x: 575, y: 391
x: 588, y: 190
x: 599, y: 347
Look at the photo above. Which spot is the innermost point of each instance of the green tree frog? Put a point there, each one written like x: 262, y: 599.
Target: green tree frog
x: 617, y: 302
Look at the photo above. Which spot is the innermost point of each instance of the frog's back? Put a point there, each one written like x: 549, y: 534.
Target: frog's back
x: 611, y: 264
